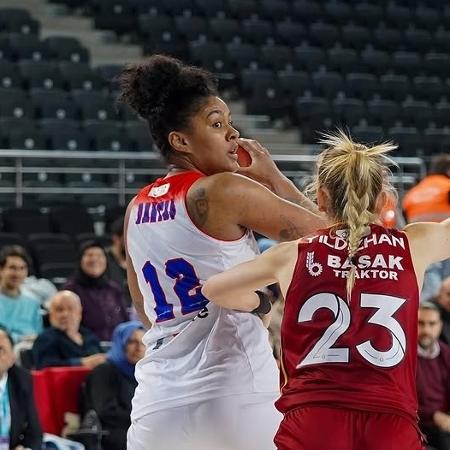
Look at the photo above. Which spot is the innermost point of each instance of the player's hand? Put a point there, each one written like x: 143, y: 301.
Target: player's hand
x: 262, y: 168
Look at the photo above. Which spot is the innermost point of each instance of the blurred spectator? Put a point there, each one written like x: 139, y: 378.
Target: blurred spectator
x: 102, y: 299
x: 110, y: 386
x: 117, y: 266
x: 65, y: 343
x: 443, y: 301
x: 19, y: 313
x: 39, y: 288
x: 434, y: 276
x: 19, y: 423
x: 429, y: 200
x: 433, y: 379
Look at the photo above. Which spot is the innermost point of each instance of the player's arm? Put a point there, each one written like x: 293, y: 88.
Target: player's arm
x: 223, y: 204
x: 429, y: 243
x: 133, y: 286
x: 235, y: 288
x: 264, y: 170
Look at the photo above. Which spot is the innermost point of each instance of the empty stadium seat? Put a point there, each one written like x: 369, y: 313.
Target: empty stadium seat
x: 394, y: 86
x: 257, y: 31
x: 139, y: 135
x: 290, y: 33
x: 71, y: 220
x: 114, y: 15
x: 294, y: 82
x: 79, y: 76
x: 224, y: 29
x: 337, y: 12
x: 306, y: 11
x: 361, y: 85
x: 210, y: 55
x: 191, y: 28
x: 342, y: 59
x: 9, y: 78
x: 256, y: 80
x: 25, y: 221
x: 64, y: 48
x: 64, y: 135
x: 43, y: 75
x: 15, y: 104
x: 107, y: 136
x: 307, y: 57
x: 348, y: 111
x: 27, y: 46
x: 274, y: 9
x: 94, y: 106
x: 53, y: 104
x: 276, y: 57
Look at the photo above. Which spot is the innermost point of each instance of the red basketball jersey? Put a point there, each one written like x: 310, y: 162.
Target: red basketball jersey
x: 357, y: 354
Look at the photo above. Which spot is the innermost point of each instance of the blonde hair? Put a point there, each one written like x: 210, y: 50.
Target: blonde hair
x: 354, y: 175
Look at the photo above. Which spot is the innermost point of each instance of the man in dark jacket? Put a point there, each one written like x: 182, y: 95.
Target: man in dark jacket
x: 19, y: 423
x: 65, y: 342
x: 433, y: 379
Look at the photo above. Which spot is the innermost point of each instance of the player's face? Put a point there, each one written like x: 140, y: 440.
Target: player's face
x: 14, y: 272
x: 135, y: 348
x: 212, y: 140
x: 430, y: 327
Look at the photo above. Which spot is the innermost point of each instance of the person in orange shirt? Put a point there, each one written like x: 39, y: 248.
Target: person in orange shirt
x: 429, y: 200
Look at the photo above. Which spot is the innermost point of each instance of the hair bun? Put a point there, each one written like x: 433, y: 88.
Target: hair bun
x: 146, y: 86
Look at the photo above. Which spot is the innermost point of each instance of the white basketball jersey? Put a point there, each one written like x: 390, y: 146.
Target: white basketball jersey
x: 195, y: 350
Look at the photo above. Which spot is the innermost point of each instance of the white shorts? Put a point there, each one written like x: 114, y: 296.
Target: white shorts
x: 230, y: 423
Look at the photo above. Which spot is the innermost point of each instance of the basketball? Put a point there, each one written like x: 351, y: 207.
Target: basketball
x: 244, y: 158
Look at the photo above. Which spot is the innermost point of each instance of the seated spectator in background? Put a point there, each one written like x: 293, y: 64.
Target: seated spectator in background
x: 429, y: 200
x: 65, y: 343
x: 19, y: 423
x: 117, y: 266
x: 434, y: 276
x: 110, y: 386
x: 443, y: 302
x: 433, y: 379
x: 19, y: 313
x: 102, y: 299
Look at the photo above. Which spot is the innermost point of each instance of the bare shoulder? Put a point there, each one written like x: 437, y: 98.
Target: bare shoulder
x: 214, y: 193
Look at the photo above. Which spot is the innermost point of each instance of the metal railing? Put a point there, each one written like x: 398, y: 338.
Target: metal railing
x: 121, y: 164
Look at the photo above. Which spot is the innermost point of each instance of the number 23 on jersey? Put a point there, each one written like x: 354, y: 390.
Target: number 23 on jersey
x: 323, y: 351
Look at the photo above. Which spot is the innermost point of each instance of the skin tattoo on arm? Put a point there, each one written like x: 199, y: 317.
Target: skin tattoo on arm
x: 198, y: 204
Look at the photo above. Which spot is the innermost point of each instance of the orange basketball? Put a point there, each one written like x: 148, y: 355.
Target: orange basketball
x: 244, y: 158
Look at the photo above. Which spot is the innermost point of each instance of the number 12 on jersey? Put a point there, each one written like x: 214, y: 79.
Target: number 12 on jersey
x: 186, y: 287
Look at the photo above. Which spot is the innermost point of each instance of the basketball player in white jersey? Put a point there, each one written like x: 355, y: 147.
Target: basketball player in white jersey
x: 208, y: 379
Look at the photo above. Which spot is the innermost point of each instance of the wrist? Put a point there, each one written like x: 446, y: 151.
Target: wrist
x: 281, y: 185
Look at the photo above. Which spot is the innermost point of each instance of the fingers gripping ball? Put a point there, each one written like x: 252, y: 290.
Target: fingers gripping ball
x: 244, y: 158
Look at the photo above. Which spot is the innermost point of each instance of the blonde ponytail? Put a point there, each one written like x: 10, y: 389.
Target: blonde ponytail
x: 354, y: 176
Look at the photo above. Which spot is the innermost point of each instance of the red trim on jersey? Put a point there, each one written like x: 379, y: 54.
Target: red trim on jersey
x: 179, y: 185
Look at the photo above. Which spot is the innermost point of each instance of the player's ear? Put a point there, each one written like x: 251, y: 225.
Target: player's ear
x: 323, y: 199
x: 179, y: 142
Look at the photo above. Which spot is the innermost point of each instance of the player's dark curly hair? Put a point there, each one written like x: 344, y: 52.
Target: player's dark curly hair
x: 167, y: 93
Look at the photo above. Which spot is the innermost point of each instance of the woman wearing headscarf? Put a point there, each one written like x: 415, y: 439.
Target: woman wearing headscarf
x: 110, y: 386
x: 102, y: 300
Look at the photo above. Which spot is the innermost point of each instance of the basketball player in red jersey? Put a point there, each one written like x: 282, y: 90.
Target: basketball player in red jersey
x: 349, y: 330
